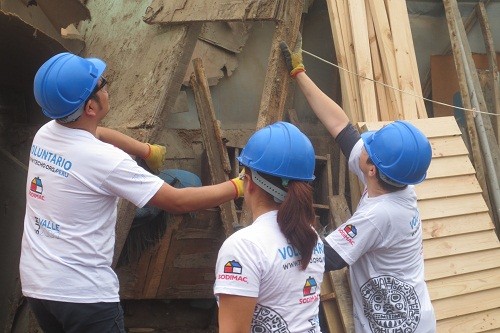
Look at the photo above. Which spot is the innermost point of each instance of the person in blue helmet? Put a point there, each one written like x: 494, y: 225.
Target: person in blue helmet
x: 382, y: 241
x: 74, y: 181
x: 268, y: 275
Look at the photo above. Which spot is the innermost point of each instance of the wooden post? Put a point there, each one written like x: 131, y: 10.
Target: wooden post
x: 272, y: 104
x: 492, y: 59
x: 218, y: 159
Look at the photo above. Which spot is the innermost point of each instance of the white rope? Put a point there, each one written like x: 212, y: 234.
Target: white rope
x: 395, y: 88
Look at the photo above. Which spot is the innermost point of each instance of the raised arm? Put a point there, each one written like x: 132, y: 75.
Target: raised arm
x: 329, y: 113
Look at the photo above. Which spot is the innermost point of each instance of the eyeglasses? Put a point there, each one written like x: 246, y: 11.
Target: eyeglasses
x: 104, y: 82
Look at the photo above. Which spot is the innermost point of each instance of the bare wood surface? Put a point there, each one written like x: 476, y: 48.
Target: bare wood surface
x: 396, y: 10
x: 472, y: 322
x: 184, y: 11
x: 466, y: 304
x: 218, y: 159
x: 493, y: 66
x: 456, y: 225
x: 362, y: 55
x: 464, y: 284
x: 466, y: 263
x: 277, y: 80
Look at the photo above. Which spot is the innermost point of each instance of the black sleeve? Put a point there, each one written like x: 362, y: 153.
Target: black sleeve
x: 333, y: 261
x: 347, y: 138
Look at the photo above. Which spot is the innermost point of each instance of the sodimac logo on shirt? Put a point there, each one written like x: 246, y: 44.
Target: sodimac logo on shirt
x: 348, y: 233
x: 309, y: 291
x: 233, y: 271
x: 36, y: 189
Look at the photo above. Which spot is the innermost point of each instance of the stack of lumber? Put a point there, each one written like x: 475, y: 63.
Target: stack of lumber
x: 373, y: 39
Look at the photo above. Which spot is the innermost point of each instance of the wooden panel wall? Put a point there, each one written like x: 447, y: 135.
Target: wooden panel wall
x: 461, y: 249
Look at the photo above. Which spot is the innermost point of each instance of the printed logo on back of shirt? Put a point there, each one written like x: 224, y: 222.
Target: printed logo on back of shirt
x: 233, y: 272
x: 36, y: 189
x: 348, y: 233
x: 309, y: 291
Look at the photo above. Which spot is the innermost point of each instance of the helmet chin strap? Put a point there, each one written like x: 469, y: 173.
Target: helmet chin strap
x: 277, y: 193
x: 390, y: 181
x: 72, y: 117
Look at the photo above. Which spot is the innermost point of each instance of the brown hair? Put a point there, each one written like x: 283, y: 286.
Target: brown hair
x: 295, y: 218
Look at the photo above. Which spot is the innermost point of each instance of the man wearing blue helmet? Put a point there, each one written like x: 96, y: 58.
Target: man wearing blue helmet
x: 382, y: 241
x: 74, y: 181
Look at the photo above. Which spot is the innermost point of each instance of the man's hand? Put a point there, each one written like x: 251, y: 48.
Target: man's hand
x: 156, y: 157
x: 238, y: 184
x: 293, y: 58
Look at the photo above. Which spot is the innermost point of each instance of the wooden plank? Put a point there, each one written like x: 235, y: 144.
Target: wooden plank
x: 465, y: 304
x: 461, y: 264
x: 448, y: 146
x: 440, y: 167
x: 493, y: 66
x: 184, y: 11
x: 464, y: 284
x: 361, y: 44
x: 342, y: 38
x: 151, y: 281
x: 421, y: 109
x: 396, y: 10
x: 455, y: 225
x: 330, y: 306
x: 459, y: 205
x: 378, y: 75
x: 218, y: 159
x: 276, y: 83
x: 339, y: 213
x: 458, y: 244
x: 386, y: 47
x: 447, y: 187
x: 432, y: 127
x: 471, y: 322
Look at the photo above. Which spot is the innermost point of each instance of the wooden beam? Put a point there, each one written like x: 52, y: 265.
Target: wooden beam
x: 184, y: 11
x: 218, y: 159
x: 277, y: 80
x: 492, y: 59
x: 363, y: 57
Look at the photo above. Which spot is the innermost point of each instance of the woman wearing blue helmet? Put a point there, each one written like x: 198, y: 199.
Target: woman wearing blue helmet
x: 382, y: 241
x: 74, y: 182
x: 268, y: 274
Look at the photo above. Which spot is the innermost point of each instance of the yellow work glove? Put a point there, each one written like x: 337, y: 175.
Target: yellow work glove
x: 238, y: 184
x: 293, y: 58
x: 155, y: 157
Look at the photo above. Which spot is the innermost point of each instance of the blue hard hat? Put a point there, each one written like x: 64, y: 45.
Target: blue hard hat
x: 280, y: 150
x: 64, y: 82
x: 400, y: 151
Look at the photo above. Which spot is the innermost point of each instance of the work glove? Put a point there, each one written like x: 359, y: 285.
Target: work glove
x: 155, y: 157
x: 238, y: 184
x: 293, y: 58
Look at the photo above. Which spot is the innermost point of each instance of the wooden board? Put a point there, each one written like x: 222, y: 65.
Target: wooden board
x: 183, y: 11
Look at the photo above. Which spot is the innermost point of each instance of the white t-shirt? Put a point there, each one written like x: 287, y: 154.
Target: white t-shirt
x: 258, y: 261
x: 74, y: 181
x: 382, y: 243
